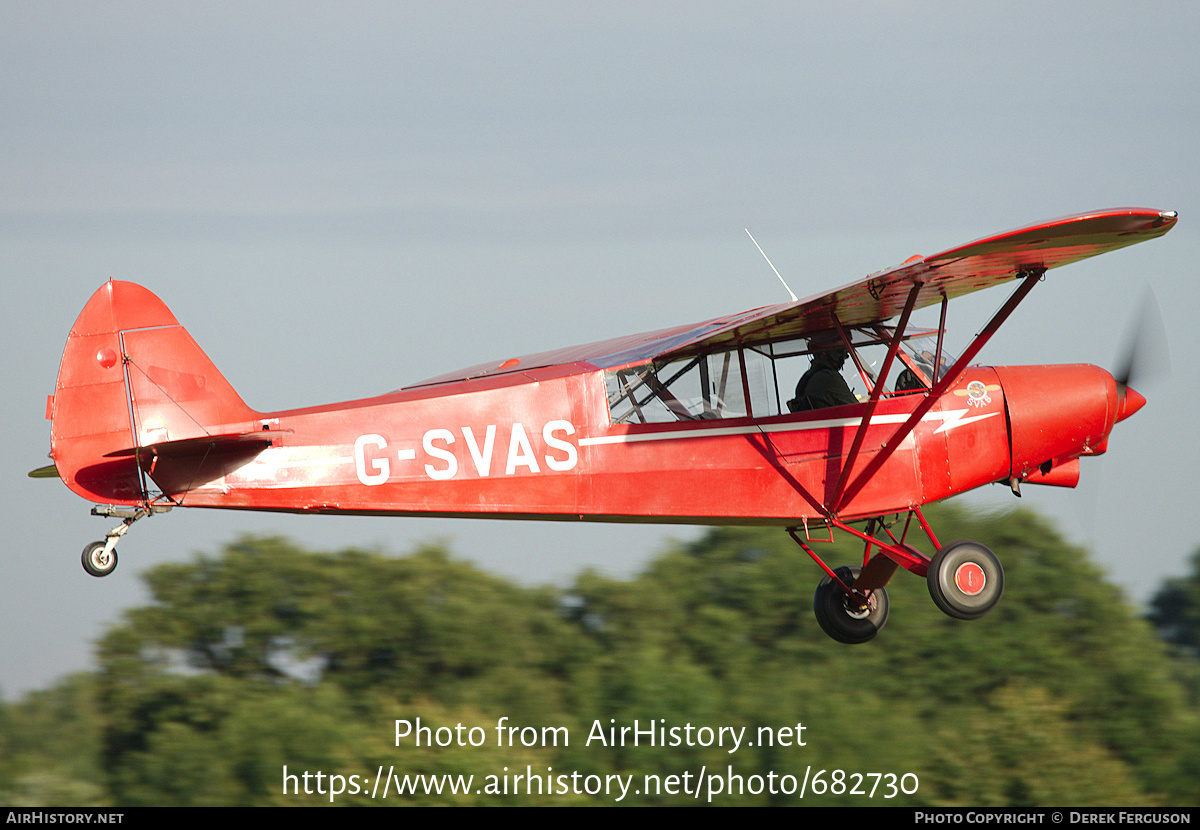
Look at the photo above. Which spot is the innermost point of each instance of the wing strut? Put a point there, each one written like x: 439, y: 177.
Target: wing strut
x: 876, y: 391
x: 1029, y: 279
x: 937, y: 357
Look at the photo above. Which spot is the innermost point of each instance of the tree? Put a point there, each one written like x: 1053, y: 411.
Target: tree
x: 1175, y: 610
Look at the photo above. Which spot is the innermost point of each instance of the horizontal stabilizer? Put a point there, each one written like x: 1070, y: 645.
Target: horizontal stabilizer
x: 49, y: 471
x: 181, y: 466
x: 241, y: 439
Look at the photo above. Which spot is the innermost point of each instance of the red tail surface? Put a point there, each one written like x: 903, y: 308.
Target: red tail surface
x: 132, y: 381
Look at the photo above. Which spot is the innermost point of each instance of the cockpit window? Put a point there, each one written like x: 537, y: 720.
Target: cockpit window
x: 759, y: 381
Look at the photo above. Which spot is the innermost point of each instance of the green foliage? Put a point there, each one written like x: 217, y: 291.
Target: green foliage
x: 1175, y: 614
x: 271, y: 656
x: 1027, y: 744
x: 1175, y: 610
x: 270, y: 611
x: 50, y: 747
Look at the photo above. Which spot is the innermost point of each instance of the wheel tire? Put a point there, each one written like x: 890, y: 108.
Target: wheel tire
x: 838, y: 621
x: 965, y: 580
x: 95, y: 562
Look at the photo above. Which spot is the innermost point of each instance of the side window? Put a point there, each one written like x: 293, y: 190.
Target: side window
x: 694, y: 388
x: 778, y: 372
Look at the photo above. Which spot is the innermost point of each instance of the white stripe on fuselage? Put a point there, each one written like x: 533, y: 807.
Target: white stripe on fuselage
x: 951, y: 419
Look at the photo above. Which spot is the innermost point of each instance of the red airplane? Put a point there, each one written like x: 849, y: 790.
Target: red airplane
x: 697, y: 424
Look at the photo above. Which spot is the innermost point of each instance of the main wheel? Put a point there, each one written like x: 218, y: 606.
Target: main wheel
x: 96, y: 562
x: 965, y: 580
x: 838, y: 616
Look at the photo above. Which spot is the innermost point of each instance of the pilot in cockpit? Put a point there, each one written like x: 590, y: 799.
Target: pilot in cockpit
x: 823, y: 385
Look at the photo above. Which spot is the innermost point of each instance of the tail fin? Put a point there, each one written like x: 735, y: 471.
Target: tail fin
x: 132, y: 379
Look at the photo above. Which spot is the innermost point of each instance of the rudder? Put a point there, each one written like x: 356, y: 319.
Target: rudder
x: 131, y: 378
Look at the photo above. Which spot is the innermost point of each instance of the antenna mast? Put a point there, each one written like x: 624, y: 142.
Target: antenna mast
x: 768, y: 259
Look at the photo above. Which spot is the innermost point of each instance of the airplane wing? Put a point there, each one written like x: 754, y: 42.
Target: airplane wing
x: 879, y: 297
x: 602, y: 354
x: 953, y: 273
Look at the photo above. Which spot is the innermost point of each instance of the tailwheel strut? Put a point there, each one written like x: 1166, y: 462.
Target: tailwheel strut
x: 100, y: 558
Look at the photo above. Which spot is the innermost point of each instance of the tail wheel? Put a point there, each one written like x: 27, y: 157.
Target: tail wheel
x: 965, y: 580
x: 845, y: 618
x: 96, y: 561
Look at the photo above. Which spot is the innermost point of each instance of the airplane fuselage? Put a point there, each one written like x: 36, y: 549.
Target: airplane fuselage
x: 541, y: 445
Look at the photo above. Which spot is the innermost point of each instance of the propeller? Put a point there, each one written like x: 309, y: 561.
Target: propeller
x: 1144, y: 354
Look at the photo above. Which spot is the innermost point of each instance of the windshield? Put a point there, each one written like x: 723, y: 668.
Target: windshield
x: 920, y: 353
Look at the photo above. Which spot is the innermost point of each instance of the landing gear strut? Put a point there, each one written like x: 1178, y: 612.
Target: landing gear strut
x: 965, y: 579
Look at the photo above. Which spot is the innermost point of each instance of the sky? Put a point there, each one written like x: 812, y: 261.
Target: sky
x: 338, y: 199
